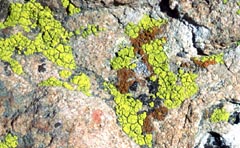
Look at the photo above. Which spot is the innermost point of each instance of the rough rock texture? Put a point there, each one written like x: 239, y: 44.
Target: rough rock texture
x: 56, y: 117
x: 3, y: 9
x: 219, y: 18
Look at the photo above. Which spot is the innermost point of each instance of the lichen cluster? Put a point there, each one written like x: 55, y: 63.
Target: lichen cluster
x: 127, y: 110
x: 146, y: 23
x: 124, y: 59
x: 10, y: 141
x: 52, y: 40
x: 83, y: 83
x: 47, y: 36
x: 91, y: 29
x: 224, y: 1
x: 218, y: 58
x: 172, y: 88
x: 205, y: 61
x: 79, y: 82
x: 219, y: 114
x: 70, y: 7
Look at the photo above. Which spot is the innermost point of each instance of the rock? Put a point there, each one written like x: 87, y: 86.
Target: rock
x: 57, y: 117
x: 4, y: 4
x: 180, y: 39
x: 232, y: 60
x: 122, y: 2
x: 201, y: 35
x: 223, y: 24
x: 214, y: 140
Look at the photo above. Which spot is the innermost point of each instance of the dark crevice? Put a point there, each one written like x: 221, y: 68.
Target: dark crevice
x: 215, y: 140
x: 164, y: 5
x: 118, y: 20
x: 115, y: 3
x: 188, y: 19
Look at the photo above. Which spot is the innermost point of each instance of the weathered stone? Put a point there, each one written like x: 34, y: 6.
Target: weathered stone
x: 220, y: 18
x: 57, y: 117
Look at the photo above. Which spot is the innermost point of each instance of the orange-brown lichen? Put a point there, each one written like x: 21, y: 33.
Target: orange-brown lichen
x: 204, y: 64
x: 126, y: 78
x: 145, y: 37
x: 159, y: 114
x: 185, y: 64
x: 147, y: 124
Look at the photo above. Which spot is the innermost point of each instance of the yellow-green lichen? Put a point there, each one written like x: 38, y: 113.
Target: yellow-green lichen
x: 238, y: 11
x: 238, y: 43
x: 225, y: 1
x: 52, y: 40
x: 65, y: 74
x: 8, y: 47
x: 83, y: 83
x: 219, y: 115
x: 218, y: 58
x: 124, y: 59
x: 173, y: 88
x: 80, y: 82
x: 127, y: 110
x: 90, y: 29
x: 10, y: 141
x: 52, y: 81
x: 146, y: 23
x: 67, y: 86
x: 70, y: 7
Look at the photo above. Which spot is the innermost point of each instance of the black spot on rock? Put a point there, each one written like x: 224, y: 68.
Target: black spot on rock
x: 157, y: 102
x: 144, y: 99
x: 181, y: 54
x: 56, y: 125
x: 152, y: 86
x: 41, y: 68
x: 7, y: 69
x: 134, y: 86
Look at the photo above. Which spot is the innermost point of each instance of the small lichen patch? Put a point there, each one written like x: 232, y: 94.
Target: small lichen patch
x: 89, y: 30
x: 65, y: 74
x: 205, y: 61
x: 124, y: 59
x: 52, y: 81
x: 83, y: 83
x: 9, y: 141
x: 70, y: 7
x: 219, y: 115
x: 146, y: 23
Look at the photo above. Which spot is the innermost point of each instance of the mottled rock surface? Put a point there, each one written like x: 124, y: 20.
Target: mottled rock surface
x: 57, y: 117
x: 219, y: 18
